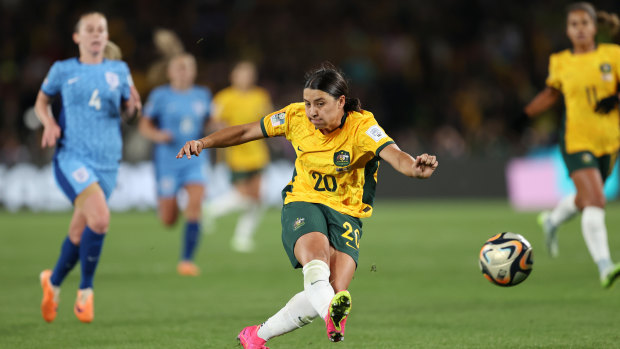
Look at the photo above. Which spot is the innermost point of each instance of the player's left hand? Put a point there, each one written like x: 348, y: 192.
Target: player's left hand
x: 424, y: 165
x: 606, y: 104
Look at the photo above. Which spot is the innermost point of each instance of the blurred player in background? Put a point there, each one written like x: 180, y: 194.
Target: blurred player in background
x: 174, y: 114
x: 241, y: 103
x: 338, y: 148
x: 88, y: 153
x: 587, y: 76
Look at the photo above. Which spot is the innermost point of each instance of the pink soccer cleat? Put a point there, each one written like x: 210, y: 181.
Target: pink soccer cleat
x: 336, y: 318
x: 249, y: 339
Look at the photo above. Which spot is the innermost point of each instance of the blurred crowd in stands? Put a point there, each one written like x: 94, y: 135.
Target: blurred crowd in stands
x: 449, y: 77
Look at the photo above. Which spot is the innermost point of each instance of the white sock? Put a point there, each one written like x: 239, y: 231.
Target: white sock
x: 317, y: 287
x: 297, y: 313
x: 595, y: 235
x: 564, y: 210
x: 249, y: 220
x: 226, y: 203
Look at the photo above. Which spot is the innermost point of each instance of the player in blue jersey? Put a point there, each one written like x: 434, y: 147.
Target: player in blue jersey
x: 88, y: 144
x: 174, y: 114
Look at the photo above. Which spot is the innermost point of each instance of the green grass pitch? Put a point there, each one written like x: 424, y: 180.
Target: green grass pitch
x: 417, y: 285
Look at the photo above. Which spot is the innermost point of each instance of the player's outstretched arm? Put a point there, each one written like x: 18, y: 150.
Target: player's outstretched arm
x: 422, y: 166
x: 223, y: 138
x: 51, y: 130
x: 544, y: 100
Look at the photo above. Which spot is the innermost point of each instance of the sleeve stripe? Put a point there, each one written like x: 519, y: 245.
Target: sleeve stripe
x: 383, y: 146
x: 262, y: 128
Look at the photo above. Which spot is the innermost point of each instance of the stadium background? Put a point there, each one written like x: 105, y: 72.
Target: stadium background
x: 446, y: 77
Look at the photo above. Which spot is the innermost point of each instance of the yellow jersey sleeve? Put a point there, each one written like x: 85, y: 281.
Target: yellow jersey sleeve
x: 276, y: 123
x: 553, y: 79
x: 370, y: 136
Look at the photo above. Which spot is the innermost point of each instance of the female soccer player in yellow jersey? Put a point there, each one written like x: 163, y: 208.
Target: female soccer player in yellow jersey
x: 338, y: 148
x: 241, y: 103
x: 587, y: 76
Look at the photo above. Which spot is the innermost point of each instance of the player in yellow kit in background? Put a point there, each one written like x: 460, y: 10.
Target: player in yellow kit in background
x: 338, y: 148
x: 587, y: 76
x: 241, y: 103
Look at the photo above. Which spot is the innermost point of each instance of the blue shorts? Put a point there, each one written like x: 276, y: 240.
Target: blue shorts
x: 170, y: 179
x: 74, y: 175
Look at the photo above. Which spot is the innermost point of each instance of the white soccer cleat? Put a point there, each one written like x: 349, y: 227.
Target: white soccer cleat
x: 550, y: 233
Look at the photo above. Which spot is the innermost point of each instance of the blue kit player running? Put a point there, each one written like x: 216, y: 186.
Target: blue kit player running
x: 174, y: 114
x: 88, y: 143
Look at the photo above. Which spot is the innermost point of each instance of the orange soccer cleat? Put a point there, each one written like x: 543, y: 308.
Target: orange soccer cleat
x: 49, y: 304
x: 188, y: 268
x: 84, y: 308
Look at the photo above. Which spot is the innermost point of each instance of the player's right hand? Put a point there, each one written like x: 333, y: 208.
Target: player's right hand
x: 190, y: 148
x: 51, y: 133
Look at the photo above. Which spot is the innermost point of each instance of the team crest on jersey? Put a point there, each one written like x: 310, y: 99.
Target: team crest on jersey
x: 586, y: 158
x: 112, y: 80
x: 606, y: 72
x: 278, y: 119
x: 299, y: 222
x: 342, y: 158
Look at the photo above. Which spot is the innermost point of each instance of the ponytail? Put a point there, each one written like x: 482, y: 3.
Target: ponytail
x: 352, y: 104
x: 610, y: 20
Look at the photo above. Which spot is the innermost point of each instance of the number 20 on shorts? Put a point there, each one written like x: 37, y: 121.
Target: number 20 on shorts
x: 347, y: 235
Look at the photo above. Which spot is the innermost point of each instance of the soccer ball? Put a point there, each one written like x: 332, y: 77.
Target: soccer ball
x: 506, y: 259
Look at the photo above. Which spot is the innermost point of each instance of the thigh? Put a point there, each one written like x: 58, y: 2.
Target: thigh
x: 299, y: 219
x: 589, y: 184
x: 345, y: 232
x: 92, y: 204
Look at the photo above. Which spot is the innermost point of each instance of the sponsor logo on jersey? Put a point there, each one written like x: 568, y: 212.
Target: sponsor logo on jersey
x: 73, y: 80
x: 112, y: 80
x: 342, y: 158
x: 80, y: 175
x: 376, y: 133
x: 606, y: 72
x: 278, y: 119
x: 299, y: 222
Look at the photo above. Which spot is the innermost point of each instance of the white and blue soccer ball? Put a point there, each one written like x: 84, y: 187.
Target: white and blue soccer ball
x: 506, y: 259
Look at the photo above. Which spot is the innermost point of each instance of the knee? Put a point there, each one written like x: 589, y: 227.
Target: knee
x: 168, y: 220
x: 594, y: 199
x: 100, y: 223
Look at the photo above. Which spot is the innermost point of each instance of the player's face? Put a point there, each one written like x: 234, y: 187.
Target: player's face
x: 323, y: 110
x: 580, y: 28
x: 92, y: 34
x: 182, y: 71
x: 243, y: 76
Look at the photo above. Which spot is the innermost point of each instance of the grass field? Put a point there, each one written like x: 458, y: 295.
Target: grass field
x: 426, y: 292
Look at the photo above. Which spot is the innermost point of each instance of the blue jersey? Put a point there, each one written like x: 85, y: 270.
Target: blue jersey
x: 90, y: 118
x: 182, y: 114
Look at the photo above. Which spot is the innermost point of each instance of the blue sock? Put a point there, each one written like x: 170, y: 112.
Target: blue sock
x: 69, y: 254
x: 90, y: 249
x: 192, y: 235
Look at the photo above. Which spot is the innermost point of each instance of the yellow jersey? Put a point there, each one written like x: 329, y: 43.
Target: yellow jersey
x: 339, y: 169
x: 238, y: 107
x: 584, y: 79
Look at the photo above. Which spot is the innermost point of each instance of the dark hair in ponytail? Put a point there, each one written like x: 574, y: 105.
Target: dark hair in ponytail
x: 330, y: 80
x: 610, y: 20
